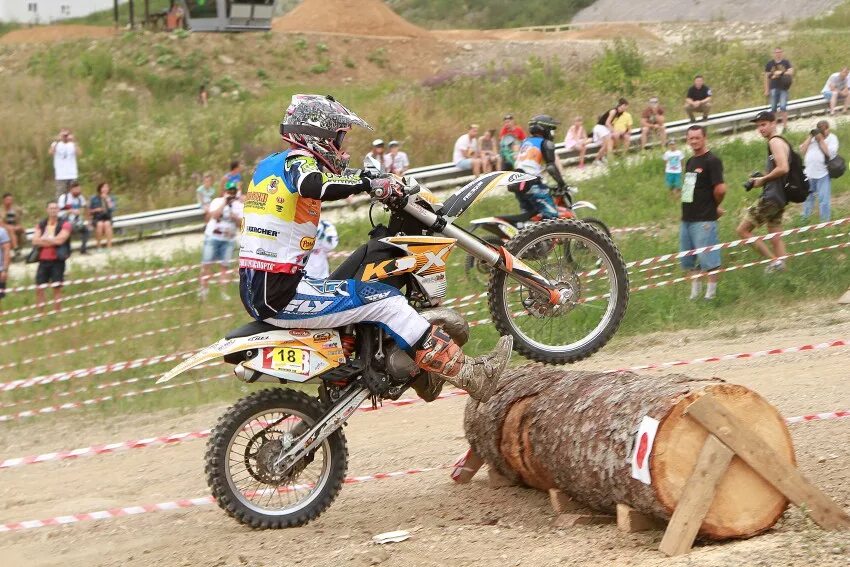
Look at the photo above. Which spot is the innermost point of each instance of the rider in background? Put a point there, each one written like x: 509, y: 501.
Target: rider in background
x: 536, y: 156
x: 282, y: 212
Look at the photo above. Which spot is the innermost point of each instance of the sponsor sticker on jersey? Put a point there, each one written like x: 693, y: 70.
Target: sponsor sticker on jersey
x: 273, y: 186
x: 307, y: 243
x: 262, y: 232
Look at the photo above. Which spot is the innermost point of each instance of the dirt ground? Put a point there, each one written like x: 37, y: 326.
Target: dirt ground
x: 450, y: 525
x: 50, y: 34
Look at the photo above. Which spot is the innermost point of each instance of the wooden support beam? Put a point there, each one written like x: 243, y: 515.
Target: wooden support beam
x: 783, y: 475
x: 696, y: 497
x: 561, y: 502
x: 630, y: 520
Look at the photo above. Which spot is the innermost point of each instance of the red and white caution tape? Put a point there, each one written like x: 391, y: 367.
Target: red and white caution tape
x: 176, y: 504
x: 103, y: 278
x: 111, y: 342
x: 628, y: 229
x: 840, y: 414
x: 93, y: 318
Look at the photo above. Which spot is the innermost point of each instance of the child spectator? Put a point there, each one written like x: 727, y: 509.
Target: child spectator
x: 576, y: 139
x: 53, y: 237
x: 205, y: 193
x: 489, y: 153
x: 673, y: 169
x: 396, y: 160
x: 326, y: 240
x: 12, y: 221
x: 101, y: 208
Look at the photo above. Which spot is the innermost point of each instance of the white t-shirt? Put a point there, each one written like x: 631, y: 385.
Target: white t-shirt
x: 814, y: 160
x: 673, y: 161
x: 224, y: 227
x: 326, y: 240
x: 462, y: 145
x: 835, y: 80
x: 65, y: 160
x: 368, y: 165
x: 71, y: 207
x: 396, y: 163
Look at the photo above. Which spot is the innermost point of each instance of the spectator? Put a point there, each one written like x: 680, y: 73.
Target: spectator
x: 778, y: 75
x: 203, y: 96
x: 771, y: 204
x: 621, y: 131
x: 233, y: 176
x: 73, y: 207
x: 837, y: 86
x: 326, y: 240
x: 576, y: 139
x: 65, y: 152
x: 174, y: 17
x: 603, y: 129
x: 12, y: 221
x: 396, y: 161
x: 466, y: 156
x: 205, y: 192
x: 820, y: 146
x: 510, y: 137
x: 5, y: 260
x: 673, y: 168
x: 652, y: 121
x: 53, y: 237
x: 377, y: 154
x: 101, y: 208
x: 698, y: 99
x: 488, y: 150
x: 703, y: 191
x: 223, y: 218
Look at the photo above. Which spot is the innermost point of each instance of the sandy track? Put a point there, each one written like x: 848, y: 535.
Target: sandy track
x: 452, y: 525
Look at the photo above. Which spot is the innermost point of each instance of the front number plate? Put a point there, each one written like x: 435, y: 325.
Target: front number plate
x: 287, y: 359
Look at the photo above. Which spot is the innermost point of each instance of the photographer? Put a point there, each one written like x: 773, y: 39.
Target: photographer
x: 771, y: 204
x: 225, y: 214
x: 820, y: 146
x: 65, y: 152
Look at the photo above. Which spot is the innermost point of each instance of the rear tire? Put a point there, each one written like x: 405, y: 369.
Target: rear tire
x: 580, y: 236
x: 219, y: 458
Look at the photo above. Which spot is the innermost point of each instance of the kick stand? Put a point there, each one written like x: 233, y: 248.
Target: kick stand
x: 727, y: 438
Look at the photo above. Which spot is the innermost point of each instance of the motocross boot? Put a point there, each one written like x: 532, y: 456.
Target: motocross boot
x: 479, y: 376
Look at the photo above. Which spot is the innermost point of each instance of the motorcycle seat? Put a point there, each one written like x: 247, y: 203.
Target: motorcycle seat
x: 252, y: 328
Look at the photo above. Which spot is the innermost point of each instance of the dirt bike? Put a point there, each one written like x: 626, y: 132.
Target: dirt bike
x: 501, y: 229
x: 278, y: 457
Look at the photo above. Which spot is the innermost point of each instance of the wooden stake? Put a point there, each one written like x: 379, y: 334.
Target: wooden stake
x: 696, y: 497
x: 561, y: 502
x: 783, y: 475
x: 470, y: 464
x: 630, y: 520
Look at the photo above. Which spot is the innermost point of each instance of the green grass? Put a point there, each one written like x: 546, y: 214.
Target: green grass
x: 838, y: 19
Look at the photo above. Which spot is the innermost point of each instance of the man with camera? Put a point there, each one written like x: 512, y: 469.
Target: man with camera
x: 224, y: 216
x: 771, y: 204
x: 820, y: 146
x: 65, y: 152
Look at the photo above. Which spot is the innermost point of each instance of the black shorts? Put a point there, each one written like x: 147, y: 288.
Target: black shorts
x: 102, y: 217
x: 50, y: 271
x: 2, y: 289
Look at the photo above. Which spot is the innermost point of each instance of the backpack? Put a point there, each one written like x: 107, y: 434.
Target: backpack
x: 796, y: 182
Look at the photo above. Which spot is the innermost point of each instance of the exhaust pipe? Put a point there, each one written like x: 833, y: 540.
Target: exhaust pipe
x: 251, y: 376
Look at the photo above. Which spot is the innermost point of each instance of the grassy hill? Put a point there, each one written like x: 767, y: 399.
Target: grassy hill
x: 487, y: 14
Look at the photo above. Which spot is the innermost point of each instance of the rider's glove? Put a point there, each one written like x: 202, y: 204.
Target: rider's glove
x: 386, y: 189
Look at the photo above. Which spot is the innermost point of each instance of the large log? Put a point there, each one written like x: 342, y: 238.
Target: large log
x: 575, y: 431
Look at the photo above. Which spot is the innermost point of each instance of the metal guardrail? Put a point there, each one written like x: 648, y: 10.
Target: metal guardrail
x: 445, y: 176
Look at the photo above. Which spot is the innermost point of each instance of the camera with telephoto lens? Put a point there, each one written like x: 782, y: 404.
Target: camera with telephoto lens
x: 814, y: 131
x: 749, y: 183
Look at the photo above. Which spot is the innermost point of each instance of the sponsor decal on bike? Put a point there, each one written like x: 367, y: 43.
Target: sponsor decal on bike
x: 322, y: 337
x: 299, y: 332
x: 258, y: 338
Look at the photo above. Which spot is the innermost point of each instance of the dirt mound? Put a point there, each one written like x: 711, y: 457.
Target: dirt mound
x: 49, y: 34
x: 354, y: 17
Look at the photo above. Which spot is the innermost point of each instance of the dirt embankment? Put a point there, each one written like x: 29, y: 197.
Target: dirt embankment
x: 50, y: 34
x: 354, y: 17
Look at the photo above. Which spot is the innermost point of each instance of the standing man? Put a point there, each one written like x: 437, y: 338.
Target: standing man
x: 770, y: 206
x: 698, y: 99
x: 396, y: 160
x: 778, y: 75
x: 73, y: 208
x: 65, y: 152
x: 53, y: 237
x: 11, y: 218
x: 223, y: 218
x: 702, y: 192
x: 5, y: 260
x: 820, y: 146
x: 652, y: 120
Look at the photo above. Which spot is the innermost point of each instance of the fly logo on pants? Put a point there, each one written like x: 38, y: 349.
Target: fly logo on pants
x: 306, y: 306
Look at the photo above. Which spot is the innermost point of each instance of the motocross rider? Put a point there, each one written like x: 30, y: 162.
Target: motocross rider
x: 281, y: 213
x: 536, y: 155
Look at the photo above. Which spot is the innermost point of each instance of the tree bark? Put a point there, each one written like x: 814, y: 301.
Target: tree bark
x: 575, y: 431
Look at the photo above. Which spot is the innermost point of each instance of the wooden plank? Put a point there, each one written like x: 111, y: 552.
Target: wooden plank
x: 561, y: 502
x: 693, y: 505
x: 784, y: 476
x: 630, y: 520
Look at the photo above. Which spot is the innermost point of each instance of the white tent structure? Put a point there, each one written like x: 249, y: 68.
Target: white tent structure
x: 229, y: 15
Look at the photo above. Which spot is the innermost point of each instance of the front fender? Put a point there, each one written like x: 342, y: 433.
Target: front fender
x: 583, y: 205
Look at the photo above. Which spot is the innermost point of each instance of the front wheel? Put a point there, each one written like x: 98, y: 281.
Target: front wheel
x: 241, y: 454
x: 586, y: 266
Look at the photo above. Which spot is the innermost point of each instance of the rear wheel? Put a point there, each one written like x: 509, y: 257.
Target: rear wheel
x: 241, y: 454
x: 586, y: 266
